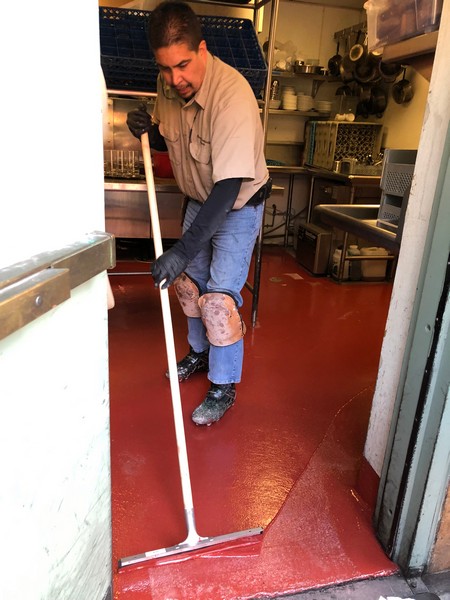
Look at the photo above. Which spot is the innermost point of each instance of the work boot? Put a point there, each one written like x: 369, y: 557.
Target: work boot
x: 219, y: 399
x: 191, y: 363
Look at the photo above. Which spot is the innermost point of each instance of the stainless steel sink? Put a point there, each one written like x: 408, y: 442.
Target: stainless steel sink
x: 359, y: 219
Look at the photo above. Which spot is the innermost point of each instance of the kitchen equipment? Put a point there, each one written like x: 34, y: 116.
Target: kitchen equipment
x: 348, y: 165
x: 364, y: 92
x: 373, y: 270
x: 123, y: 164
x: 322, y: 106
x: 378, y: 101
x: 346, y: 66
x: 366, y: 70
x: 402, y: 91
x: 355, y: 265
x: 305, y: 102
x: 358, y: 51
x: 334, y: 63
x: 313, y: 248
x: 128, y: 63
x: 336, y: 262
x: 389, y: 71
x: 327, y: 141
x: 193, y: 541
x: 162, y: 167
x: 275, y: 90
x: 396, y: 178
x: 302, y: 69
x: 289, y: 100
x: 343, y: 90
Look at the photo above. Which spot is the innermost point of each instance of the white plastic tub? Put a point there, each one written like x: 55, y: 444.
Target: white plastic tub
x: 373, y: 270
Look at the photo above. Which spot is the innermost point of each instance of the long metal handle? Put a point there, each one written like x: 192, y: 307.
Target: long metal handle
x: 170, y: 349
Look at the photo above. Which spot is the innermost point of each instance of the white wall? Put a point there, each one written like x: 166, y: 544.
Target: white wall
x: 311, y: 28
x: 402, y: 123
x: 55, y: 518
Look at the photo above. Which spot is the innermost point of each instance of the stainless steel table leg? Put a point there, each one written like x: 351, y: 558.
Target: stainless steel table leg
x: 288, y: 209
x: 254, y: 289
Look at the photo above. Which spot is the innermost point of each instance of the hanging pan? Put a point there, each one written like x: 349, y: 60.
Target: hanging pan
x: 334, y: 63
x: 346, y: 67
x: 402, y: 91
x: 389, y: 71
x: 378, y: 101
x: 358, y: 51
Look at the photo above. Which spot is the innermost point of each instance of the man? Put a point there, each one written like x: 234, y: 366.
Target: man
x: 209, y: 119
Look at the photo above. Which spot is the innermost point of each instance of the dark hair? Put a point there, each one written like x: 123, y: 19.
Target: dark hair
x: 174, y: 22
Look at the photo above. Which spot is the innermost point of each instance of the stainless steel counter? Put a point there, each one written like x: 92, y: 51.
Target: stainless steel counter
x: 127, y: 211
x: 140, y: 185
x: 359, y: 219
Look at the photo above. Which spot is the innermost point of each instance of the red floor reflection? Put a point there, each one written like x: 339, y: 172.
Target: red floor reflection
x: 285, y: 457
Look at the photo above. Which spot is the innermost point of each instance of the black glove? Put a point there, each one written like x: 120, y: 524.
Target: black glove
x: 168, y: 266
x: 139, y: 121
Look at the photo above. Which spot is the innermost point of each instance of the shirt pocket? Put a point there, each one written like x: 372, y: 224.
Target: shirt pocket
x: 173, y: 142
x: 200, y: 150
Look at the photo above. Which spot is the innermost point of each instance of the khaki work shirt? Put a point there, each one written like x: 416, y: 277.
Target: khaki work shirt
x: 216, y: 135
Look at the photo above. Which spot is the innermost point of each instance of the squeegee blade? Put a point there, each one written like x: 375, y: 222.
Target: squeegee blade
x: 203, y: 542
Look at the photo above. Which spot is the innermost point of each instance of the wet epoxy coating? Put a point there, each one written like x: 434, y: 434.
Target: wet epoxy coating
x: 285, y: 457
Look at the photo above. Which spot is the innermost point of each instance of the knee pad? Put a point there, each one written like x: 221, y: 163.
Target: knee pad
x: 188, y: 294
x: 221, y: 318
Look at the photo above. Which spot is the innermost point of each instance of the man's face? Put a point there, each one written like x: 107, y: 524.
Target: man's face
x: 182, y: 68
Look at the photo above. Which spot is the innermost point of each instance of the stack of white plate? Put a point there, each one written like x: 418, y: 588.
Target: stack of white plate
x: 289, y: 99
x: 323, y: 106
x: 304, y: 102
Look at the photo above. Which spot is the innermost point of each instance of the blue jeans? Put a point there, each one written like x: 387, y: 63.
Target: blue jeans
x: 222, y: 266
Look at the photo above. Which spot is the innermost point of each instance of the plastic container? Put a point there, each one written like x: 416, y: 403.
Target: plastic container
x: 389, y: 22
x: 373, y: 270
x: 354, y: 265
x: 335, y: 265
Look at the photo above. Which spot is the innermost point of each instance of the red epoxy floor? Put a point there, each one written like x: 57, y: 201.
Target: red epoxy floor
x: 285, y: 457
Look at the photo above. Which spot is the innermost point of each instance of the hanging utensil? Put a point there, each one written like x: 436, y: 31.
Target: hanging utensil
x: 334, y: 63
x: 358, y: 51
x: 366, y: 69
x: 378, y: 101
x: 389, y: 71
x: 346, y: 66
x: 402, y: 91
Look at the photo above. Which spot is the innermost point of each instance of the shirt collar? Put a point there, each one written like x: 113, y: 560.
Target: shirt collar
x: 202, y: 94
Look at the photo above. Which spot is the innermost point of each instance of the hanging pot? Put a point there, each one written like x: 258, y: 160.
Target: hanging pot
x: 389, y: 71
x: 334, y: 63
x: 358, y: 51
x: 346, y: 66
x: 366, y: 70
x: 343, y: 90
x: 378, y: 101
x: 363, y: 92
x: 402, y: 90
x: 363, y: 109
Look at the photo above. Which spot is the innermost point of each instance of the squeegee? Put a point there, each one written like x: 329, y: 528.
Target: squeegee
x: 193, y: 540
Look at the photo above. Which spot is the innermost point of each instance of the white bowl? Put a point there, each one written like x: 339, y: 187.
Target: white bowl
x: 274, y: 103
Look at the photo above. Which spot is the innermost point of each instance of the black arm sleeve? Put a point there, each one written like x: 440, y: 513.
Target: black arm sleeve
x: 209, y: 218
x: 156, y: 140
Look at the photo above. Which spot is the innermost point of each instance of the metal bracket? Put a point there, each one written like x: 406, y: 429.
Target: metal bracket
x: 30, y: 288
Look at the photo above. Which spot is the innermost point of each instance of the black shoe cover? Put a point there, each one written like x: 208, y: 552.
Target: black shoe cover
x: 218, y: 400
x: 191, y: 363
